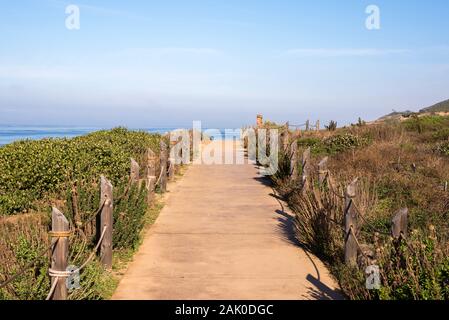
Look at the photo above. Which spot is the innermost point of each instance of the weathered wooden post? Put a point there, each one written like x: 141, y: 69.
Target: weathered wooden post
x: 317, y: 127
x: 259, y: 121
x: 172, y: 161
x: 307, y: 125
x: 135, y: 171
x: 285, y: 137
x: 151, y: 163
x: 399, y: 224
x: 305, y: 170
x: 351, y: 247
x: 323, y: 172
x: 60, y: 238
x: 151, y: 175
x: 164, y: 159
x: 294, y: 160
x: 106, y: 220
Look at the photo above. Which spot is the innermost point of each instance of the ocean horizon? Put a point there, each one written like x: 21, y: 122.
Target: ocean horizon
x: 11, y: 133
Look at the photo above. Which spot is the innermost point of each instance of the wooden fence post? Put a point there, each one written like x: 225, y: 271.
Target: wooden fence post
x: 317, y: 127
x: 135, y: 171
x: 171, y: 160
x: 351, y: 246
x: 305, y: 169
x: 106, y: 220
x: 307, y: 125
x: 151, y: 163
x: 151, y: 175
x: 399, y: 224
x: 285, y: 137
x: 294, y: 160
x: 323, y: 172
x: 59, y: 259
x: 164, y: 158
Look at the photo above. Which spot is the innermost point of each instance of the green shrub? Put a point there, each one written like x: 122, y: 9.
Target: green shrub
x: 423, y: 124
x: 36, y: 170
x: 343, y: 142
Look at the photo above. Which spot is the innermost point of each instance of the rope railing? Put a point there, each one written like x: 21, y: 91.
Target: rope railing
x: 29, y: 265
x: 57, y: 274
x: 92, y: 218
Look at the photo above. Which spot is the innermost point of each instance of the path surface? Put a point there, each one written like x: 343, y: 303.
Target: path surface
x: 222, y: 236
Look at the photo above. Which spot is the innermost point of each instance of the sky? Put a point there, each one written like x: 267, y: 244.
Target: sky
x: 165, y: 63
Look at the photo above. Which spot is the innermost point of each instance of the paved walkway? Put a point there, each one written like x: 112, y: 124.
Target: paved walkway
x: 222, y: 236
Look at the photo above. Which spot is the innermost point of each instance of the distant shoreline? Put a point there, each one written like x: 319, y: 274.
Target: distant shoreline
x: 10, y: 134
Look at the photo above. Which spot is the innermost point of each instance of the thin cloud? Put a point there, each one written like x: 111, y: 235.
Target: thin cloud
x: 169, y: 51
x: 343, y: 52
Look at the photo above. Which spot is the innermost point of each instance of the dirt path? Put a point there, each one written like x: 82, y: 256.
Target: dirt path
x: 222, y: 236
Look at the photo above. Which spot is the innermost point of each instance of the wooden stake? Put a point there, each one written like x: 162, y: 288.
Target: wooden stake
x: 399, y: 224
x: 323, y: 172
x: 59, y: 224
x: 106, y: 220
x: 164, y: 159
x: 135, y: 171
x: 351, y: 247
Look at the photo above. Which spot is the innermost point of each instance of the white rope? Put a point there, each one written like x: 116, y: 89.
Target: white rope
x: 52, y: 289
x: 65, y: 274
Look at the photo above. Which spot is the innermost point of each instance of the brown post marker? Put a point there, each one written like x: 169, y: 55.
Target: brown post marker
x: 259, y: 121
x: 323, y: 172
x: 151, y: 163
x: 171, y: 160
x: 135, y: 171
x: 305, y: 169
x: 317, y: 127
x: 294, y: 160
x: 285, y: 137
x: 399, y: 224
x: 106, y: 220
x: 164, y: 158
x: 60, y: 254
x: 351, y: 225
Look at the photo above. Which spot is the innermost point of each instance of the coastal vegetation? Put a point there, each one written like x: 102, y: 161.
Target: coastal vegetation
x: 35, y: 175
x: 400, y: 164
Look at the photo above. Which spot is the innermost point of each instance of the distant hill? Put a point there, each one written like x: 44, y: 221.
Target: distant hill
x: 398, y: 115
x: 439, y: 107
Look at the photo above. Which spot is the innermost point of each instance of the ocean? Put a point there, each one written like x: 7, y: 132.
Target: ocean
x: 9, y: 134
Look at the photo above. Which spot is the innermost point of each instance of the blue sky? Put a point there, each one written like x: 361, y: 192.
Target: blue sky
x: 166, y: 63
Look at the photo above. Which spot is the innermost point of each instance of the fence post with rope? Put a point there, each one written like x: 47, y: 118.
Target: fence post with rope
x: 305, y: 170
x: 60, y: 238
x: 151, y: 175
x: 106, y: 221
x: 163, y: 159
x: 399, y: 224
x: 294, y: 160
x: 350, y: 216
x: 135, y: 171
x: 285, y: 137
x: 172, y: 160
x: 323, y: 171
